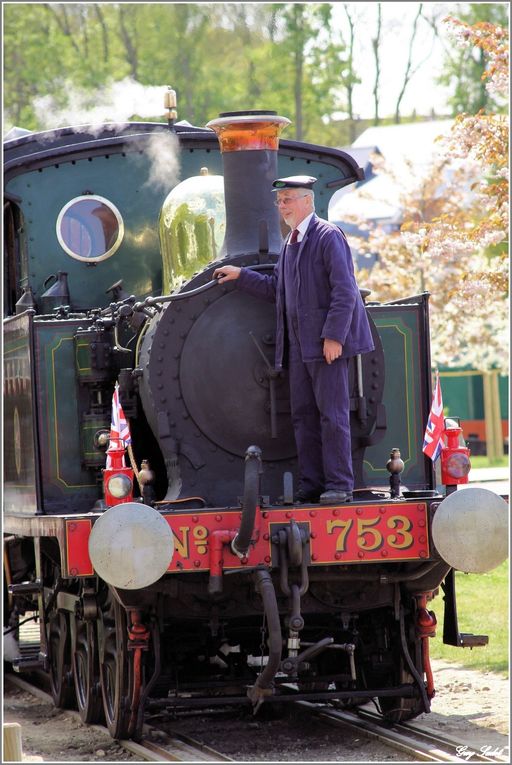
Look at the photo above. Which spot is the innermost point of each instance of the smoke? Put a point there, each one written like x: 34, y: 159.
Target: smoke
x: 117, y: 102
x: 114, y: 102
x: 163, y: 152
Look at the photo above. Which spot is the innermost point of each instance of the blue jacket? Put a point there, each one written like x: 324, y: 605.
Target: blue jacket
x: 328, y: 298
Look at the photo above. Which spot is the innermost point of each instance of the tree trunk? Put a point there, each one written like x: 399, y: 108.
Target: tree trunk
x: 376, y: 46
x: 408, y: 72
x: 85, y: 36
x: 129, y: 43
x: 350, y: 81
x: 62, y: 20
x: 483, y: 94
x: 104, y: 30
x: 298, y: 12
x: 253, y: 90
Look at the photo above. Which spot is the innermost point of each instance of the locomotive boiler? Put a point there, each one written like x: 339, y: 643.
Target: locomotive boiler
x: 166, y: 562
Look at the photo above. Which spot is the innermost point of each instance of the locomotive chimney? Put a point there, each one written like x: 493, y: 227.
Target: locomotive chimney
x: 249, y: 142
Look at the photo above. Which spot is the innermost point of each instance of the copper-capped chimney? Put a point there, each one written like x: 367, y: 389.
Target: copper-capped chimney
x: 249, y: 142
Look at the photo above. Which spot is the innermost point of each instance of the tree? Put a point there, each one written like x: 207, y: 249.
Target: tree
x: 348, y: 77
x: 301, y: 63
x: 291, y: 57
x: 483, y: 141
x: 454, y: 231
x: 376, y: 56
x: 128, y: 31
x: 464, y: 66
x: 410, y: 69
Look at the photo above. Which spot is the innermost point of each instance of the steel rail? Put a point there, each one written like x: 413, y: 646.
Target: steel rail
x: 177, y: 748
x: 424, y: 745
x: 419, y: 750
x: 427, y: 734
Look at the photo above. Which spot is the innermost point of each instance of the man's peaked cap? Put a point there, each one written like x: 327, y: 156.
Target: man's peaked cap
x: 294, y: 182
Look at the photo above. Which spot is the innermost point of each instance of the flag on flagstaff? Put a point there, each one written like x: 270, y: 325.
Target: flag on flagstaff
x: 119, y: 428
x: 433, y: 438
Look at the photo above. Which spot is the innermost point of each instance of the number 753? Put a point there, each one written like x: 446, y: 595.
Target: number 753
x: 369, y: 537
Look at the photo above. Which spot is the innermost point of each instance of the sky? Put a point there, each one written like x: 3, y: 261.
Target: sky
x: 422, y: 93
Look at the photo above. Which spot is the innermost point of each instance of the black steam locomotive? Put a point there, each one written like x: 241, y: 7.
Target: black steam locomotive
x: 171, y: 568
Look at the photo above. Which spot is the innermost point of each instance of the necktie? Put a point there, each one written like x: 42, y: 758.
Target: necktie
x: 294, y: 235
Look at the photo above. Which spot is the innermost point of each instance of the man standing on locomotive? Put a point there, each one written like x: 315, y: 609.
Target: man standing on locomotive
x: 321, y: 322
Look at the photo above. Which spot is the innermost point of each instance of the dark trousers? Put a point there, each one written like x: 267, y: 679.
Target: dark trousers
x: 320, y: 407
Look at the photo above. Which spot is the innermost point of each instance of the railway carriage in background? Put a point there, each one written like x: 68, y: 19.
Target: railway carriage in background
x: 182, y: 573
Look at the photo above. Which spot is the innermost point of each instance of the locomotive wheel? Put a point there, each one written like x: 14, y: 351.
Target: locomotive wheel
x: 398, y: 672
x: 59, y: 657
x: 115, y: 668
x: 86, y: 672
x: 400, y: 709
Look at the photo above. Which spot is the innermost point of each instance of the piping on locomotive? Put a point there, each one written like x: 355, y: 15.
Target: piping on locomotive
x: 212, y: 587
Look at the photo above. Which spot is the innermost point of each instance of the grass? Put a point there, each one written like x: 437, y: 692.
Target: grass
x: 481, y: 461
x: 483, y: 609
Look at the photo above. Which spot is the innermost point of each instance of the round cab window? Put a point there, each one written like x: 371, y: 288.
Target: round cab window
x: 90, y: 228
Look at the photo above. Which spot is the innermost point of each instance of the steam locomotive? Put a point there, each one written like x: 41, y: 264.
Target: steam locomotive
x: 172, y: 569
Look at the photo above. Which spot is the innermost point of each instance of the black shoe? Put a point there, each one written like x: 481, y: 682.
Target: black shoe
x: 334, y: 497
x: 303, y: 497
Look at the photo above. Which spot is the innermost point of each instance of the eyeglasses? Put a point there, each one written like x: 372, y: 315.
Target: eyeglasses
x: 288, y: 200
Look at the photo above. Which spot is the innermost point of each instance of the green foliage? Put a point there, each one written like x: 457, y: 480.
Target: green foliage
x: 463, y: 69
x: 218, y: 57
x: 482, y: 608
x: 290, y: 57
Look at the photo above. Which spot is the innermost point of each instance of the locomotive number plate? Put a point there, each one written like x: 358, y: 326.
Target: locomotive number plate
x: 394, y: 531
x: 346, y: 534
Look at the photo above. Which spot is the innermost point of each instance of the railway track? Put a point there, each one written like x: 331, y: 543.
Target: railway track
x: 412, y: 739
x: 175, y: 748
x: 178, y: 748
x: 423, y: 744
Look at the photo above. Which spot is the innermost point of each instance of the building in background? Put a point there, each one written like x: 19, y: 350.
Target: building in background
x: 408, y: 150
x: 480, y: 400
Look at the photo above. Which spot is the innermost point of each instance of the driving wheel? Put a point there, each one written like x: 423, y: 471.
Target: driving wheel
x: 86, y: 672
x: 116, y: 678
x: 59, y: 657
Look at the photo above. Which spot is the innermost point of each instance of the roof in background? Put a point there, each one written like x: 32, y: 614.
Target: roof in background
x: 408, y: 149
x: 362, y: 155
x: 15, y: 132
x: 415, y: 141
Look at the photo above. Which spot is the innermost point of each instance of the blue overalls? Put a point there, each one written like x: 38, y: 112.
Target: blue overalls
x: 319, y: 399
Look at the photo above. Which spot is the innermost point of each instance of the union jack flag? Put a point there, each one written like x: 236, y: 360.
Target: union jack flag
x: 119, y: 428
x: 433, y: 438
